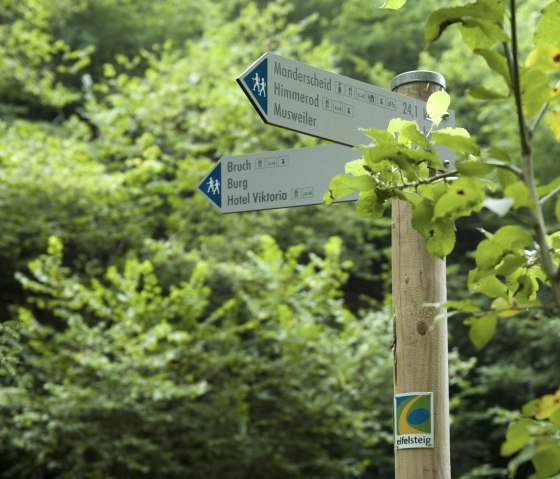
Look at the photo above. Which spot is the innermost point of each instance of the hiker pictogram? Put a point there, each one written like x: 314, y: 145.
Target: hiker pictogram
x: 213, y: 186
x: 259, y: 85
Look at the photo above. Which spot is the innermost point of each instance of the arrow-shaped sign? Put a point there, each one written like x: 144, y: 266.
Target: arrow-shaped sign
x: 300, y: 97
x: 275, y: 179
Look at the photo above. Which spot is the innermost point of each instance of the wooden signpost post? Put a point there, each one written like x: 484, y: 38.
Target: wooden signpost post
x: 420, y: 342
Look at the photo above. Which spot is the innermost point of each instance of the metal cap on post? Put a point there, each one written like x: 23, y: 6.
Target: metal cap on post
x: 420, y: 343
x: 425, y: 76
x: 419, y: 84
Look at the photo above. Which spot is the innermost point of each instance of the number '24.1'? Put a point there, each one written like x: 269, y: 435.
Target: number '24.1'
x: 412, y: 110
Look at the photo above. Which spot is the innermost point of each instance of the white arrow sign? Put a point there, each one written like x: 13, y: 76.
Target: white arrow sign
x: 300, y: 97
x: 275, y: 179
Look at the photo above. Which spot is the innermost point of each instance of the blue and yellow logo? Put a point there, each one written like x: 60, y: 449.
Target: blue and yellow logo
x: 413, y: 413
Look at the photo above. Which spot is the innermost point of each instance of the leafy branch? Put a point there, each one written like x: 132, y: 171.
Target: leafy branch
x: 526, y: 146
x: 400, y: 163
x: 512, y: 263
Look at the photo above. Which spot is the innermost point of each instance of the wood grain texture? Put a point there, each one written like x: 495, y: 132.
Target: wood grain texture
x: 420, y: 348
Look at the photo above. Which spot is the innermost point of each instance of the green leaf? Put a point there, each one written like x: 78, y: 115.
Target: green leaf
x: 555, y: 419
x: 441, y: 19
x: 410, y: 197
x: 547, y: 460
x: 548, y: 405
x: 479, y: 33
x: 555, y: 240
x: 463, y: 197
x: 437, y: 104
x: 506, y: 178
x: 535, y: 90
x: 474, y: 168
x: 505, y: 308
x: 342, y: 185
x: 370, y: 205
x: 482, y: 93
x: 517, y: 436
x: 520, y: 194
x: 512, y: 238
x: 557, y: 209
x: 440, y: 239
x: 491, y: 10
x: 529, y: 409
x: 328, y: 198
x: 355, y: 168
x: 429, y: 157
x: 455, y: 139
x: 434, y: 191
x: 465, y: 305
x: 380, y: 136
x: 496, y: 62
x: 411, y: 135
x: 501, y: 254
x: 482, y: 329
x: 509, y: 263
x: 487, y: 254
x: 455, y: 131
x: 439, y: 233
x: 544, y: 57
x: 393, y: 4
x: 380, y: 152
x: 549, y: 187
x: 422, y: 216
x: 525, y: 283
x: 553, y: 122
x: 397, y: 124
x: 549, y: 25
x: 490, y: 285
x: 499, y: 154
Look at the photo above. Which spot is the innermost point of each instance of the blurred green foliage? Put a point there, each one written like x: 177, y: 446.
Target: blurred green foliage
x: 145, y: 381
x: 143, y: 334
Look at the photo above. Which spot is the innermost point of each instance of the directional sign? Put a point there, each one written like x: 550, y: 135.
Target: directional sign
x: 275, y: 179
x: 300, y: 97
